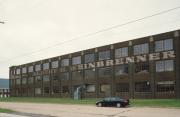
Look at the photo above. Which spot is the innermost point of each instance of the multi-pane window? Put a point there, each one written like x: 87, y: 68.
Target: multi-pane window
x: 55, y: 78
x: 122, y: 69
x: 24, y: 70
x: 121, y: 52
x: 30, y: 80
x: 89, y: 58
x: 64, y: 62
x: 24, y: 80
x: 166, y: 65
x: 37, y: 67
x: 90, y: 88
x: 38, y: 91
x: 122, y: 87
x: 38, y: 79
x: 30, y: 69
x: 64, y: 76
x: 141, y: 49
x: 89, y: 73
x: 165, y: 86
x: 18, y: 71
x: 142, y: 67
x: 18, y: 81
x: 163, y: 45
x: 142, y: 87
x: 77, y: 74
x: 54, y: 64
x: 46, y: 78
x: 104, y: 55
x: 76, y: 60
x: 105, y: 72
x: 45, y: 66
x: 105, y: 88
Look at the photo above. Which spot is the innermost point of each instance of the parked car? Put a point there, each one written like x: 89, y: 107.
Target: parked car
x: 113, y: 101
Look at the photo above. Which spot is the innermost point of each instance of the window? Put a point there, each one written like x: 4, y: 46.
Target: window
x: 141, y: 67
x: 104, y: 88
x: 64, y: 76
x: 122, y: 87
x: 163, y: 45
x: 38, y: 67
x: 55, y: 78
x: 165, y: 86
x: 46, y: 90
x: 18, y: 81
x: 104, y: 55
x: 121, y: 52
x: 64, y: 62
x: 90, y: 73
x: 55, y: 89
x: 167, y: 65
x: 30, y: 80
x: 77, y: 74
x: 45, y: 66
x: 46, y: 78
x: 54, y: 64
x: 24, y: 70
x: 141, y: 49
x: 37, y: 91
x: 76, y: 60
x: 30, y: 69
x: 142, y: 87
x: 24, y: 80
x: 90, y: 88
x: 105, y: 72
x: 38, y: 79
x: 65, y: 89
x: 89, y: 58
x: 18, y: 71
x: 122, y: 69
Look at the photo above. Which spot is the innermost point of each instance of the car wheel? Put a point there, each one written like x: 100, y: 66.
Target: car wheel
x: 99, y: 104
x: 118, y: 105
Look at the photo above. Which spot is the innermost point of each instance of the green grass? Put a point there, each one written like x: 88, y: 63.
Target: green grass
x: 2, y: 110
x: 133, y: 102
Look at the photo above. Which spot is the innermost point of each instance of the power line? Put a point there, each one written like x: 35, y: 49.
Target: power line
x: 94, y: 33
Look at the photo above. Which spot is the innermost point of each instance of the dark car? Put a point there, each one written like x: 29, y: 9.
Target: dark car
x: 113, y: 101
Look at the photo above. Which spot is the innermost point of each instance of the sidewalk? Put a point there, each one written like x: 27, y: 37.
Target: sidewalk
x: 10, y: 115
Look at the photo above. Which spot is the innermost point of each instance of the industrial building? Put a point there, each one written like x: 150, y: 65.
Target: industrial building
x: 147, y: 67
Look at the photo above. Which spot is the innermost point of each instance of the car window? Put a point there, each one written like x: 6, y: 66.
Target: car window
x: 107, y: 99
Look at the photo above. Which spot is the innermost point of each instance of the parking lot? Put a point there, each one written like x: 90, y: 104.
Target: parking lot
x: 67, y: 110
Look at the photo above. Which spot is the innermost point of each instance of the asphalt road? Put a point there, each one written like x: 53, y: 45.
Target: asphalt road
x: 65, y: 110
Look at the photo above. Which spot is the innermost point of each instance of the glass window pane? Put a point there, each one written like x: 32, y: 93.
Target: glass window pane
x: 38, y: 67
x: 55, y: 64
x: 45, y: 66
x: 105, y: 72
x: 76, y: 60
x: 158, y: 46
x: 30, y: 69
x: 122, y: 69
x: 90, y: 73
x: 89, y: 58
x: 159, y: 66
x: 24, y: 70
x: 169, y: 65
x: 65, y: 62
x: 121, y: 52
x: 46, y: 78
x: 168, y: 44
x: 104, y: 55
x: 90, y: 88
x: 64, y: 76
x: 18, y: 71
x: 144, y: 48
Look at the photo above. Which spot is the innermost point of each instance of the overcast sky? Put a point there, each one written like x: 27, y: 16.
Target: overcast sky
x: 31, y: 25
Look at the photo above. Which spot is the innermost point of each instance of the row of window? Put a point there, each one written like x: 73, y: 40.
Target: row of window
x: 161, y: 45
x: 165, y: 86
x: 161, y: 66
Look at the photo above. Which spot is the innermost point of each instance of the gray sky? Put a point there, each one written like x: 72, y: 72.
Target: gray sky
x: 35, y: 24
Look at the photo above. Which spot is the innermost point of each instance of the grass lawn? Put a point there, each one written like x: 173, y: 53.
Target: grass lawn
x: 2, y: 110
x: 133, y: 102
